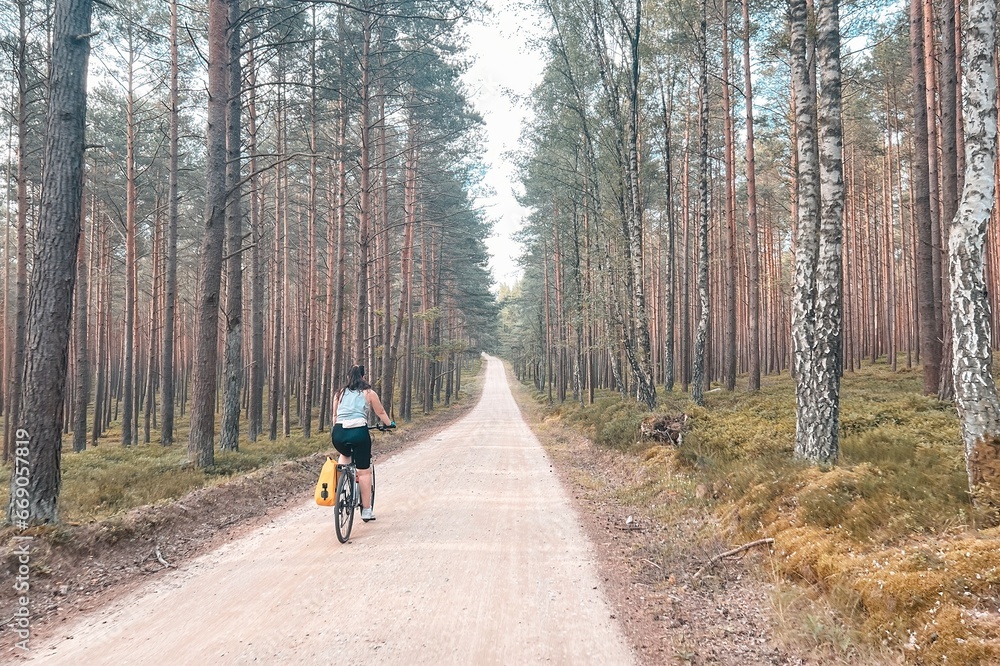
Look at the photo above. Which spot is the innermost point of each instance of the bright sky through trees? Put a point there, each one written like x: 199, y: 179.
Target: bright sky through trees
x: 504, y: 72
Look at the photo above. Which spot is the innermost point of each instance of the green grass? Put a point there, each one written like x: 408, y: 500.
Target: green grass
x: 610, y: 422
x: 108, y: 479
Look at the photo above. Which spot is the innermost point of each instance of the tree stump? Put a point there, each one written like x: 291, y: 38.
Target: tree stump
x: 664, y: 427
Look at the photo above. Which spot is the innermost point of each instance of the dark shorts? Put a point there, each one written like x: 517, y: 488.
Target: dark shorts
x: 355, y: 443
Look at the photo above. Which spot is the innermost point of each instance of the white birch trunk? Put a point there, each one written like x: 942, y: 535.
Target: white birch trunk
x: 701, y: 336
x: 807, y: 226
x: 816, y: 302
x: 975, y: 389
x: 829, y: 269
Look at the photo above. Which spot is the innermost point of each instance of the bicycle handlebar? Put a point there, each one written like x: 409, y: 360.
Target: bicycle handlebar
x: 382, y: 427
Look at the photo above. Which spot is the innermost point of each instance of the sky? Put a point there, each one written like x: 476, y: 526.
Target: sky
x: 505, y: 69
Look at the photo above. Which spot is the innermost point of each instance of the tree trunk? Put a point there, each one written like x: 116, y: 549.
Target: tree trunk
x: 229, y: 434
x: 339, y: 363
x: 753, y: 295
x: 35, y: 474
x: 149, y: 412
x: 829, y: 292
x: 701, y: 338
x: 644, y: 374
x: 405, y: 264
x: 167, y: 390
x: 730, y: 158
x: 685, y: 342
x: 364, y: 214
x: 275, y: 383
x: 14, y: 397
x: 806, y: 227
x: 255, y: 411
x: 948, y: 87
x: 819, y: 262
x: 425, y: 306
x: 975, y: 389
x: 82, y: 397
x: 5, y: 329
x: 201, y: 444
x: 930, y: 341
x: 129, y: 408
x: 283, y: 203
x: 100, y: 394
x: 311, y: 293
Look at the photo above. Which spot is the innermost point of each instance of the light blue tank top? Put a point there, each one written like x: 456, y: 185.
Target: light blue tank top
x: 352, y: 406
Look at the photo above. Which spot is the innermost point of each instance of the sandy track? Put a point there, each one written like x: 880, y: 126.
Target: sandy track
x: 476, y: 558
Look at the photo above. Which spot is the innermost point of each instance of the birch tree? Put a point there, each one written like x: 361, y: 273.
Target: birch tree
x: 975, y: 390
x: 817, y: 290
x: 699, y: 380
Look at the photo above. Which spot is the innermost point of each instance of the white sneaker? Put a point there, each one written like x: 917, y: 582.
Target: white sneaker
x: 367, y: 514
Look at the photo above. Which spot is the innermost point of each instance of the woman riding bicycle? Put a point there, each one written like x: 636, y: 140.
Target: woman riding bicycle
x: 350, y: 431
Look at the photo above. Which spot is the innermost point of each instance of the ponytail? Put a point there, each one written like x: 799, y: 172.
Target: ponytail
x: 355, y: 380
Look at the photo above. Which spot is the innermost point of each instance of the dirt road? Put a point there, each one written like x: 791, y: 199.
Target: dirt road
x: 476, y: 558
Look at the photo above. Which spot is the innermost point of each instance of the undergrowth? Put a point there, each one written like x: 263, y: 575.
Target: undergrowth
x: 109, y: 478
x: 885, y: 537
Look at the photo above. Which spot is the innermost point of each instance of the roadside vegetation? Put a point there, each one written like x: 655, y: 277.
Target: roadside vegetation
x: 884, y: 542
x: 110, y: 479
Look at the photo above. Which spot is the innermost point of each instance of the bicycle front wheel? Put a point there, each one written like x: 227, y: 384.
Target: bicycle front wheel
x: 345, y: 507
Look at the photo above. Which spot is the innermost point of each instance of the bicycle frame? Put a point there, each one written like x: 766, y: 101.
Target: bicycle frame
x: 348, y: 495
x: 349, y: 498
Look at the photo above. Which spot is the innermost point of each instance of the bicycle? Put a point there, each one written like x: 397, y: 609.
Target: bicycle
x: 349, y: 494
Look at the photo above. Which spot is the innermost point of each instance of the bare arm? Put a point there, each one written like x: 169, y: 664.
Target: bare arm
x: 377, y: 407
x: 333, y: 420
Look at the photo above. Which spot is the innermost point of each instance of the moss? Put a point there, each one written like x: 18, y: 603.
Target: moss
x: 610, y: 421
x: 884, y: 535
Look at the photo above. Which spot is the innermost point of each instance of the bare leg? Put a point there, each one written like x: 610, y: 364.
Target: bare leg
x: 365, y: 481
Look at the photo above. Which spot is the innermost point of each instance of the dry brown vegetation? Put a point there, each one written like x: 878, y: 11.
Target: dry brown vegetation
x: 886, y: 539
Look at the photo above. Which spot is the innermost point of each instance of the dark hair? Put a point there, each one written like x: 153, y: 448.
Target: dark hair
x: 356, y: 379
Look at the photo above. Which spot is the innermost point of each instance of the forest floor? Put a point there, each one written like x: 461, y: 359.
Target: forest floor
x: 878, y: 559
x: 724, y: 616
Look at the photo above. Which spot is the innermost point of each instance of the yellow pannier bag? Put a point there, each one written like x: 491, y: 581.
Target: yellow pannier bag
x: 326, y: 487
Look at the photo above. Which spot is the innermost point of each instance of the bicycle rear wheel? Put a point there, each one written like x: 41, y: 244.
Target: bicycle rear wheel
x: 345, y: 506
x: 373, y: 487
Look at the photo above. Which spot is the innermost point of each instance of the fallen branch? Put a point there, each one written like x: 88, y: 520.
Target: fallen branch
x: 227, y: 523
x: 734, y: 551
x: 159, y: 558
